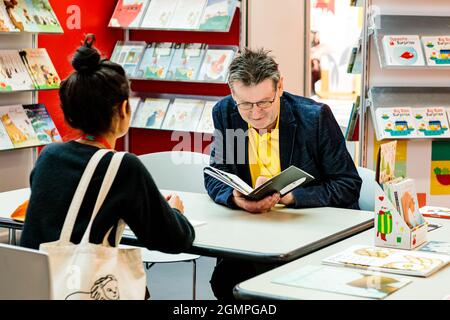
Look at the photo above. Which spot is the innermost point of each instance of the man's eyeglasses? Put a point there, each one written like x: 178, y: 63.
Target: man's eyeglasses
x: 260, y: 104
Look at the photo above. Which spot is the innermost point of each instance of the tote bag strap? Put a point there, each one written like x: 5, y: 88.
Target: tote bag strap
x: 108, y: 180
x: 78, y: 197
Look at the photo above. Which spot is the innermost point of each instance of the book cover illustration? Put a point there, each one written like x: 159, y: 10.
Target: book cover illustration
x: 395, y: 122
x: 414, y: 263
x: 218, y: 15
x: 134, y: 105
x: 187, y: 15
x: 128, y: 55
x: 18, y: 126
x: 206, y: 124
x: 5, y: 140
x: 186, y: 62
x: 386, y: 166
x: 14, y: 76
x: 437, y: 247
x: 21, y: 15
x: 437, y: 50
x: 183, y: 115
x: 42, y: 123
x: 403, y: 50
x: 151, y: 113
x: 159, y: 14
x: 215, y: 65
x: 41, y: 12
x: 5, y: 21
x: 156, y: 61
x: 345, y: 281
x: 128, y: 13
x: 41, y: 68
x: 407, y: 203
x: 431, y: 121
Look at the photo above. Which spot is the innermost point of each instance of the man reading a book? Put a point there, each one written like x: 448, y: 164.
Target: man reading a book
x: 259, y: 132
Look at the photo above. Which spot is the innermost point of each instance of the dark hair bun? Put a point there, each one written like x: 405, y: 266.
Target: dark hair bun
x: 87, y: 59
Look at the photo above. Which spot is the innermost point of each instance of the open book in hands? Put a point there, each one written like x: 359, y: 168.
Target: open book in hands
x: 283, y: 183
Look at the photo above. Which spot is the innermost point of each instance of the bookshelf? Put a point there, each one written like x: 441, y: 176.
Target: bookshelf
x: 138, y: 139
x: 405, y: 86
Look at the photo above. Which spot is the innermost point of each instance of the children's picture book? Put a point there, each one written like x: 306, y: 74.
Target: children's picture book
x: 5, y: 21
x: 128, y: 54
x: 437, y: 50
x: 18, y: 126
x: 151, y: 113
x: 407, y: 262
x: 403, y: 50
x: 134, y: 105
x: 159, y: 14
x: 184, y: 115
x: 41, y: 68
x: 5, y: 140
x: 395, y: 122
x: 218, y: 15
x: 156, y: 61
x: 437, y: 247
x: 21, y: 15
x: 206, y: 124
x: 215, y: 65
x: 187, y: 14
x: 431, y: 122
x: 386, y: 162
x: 344, y: 281
x: 14, y: 76
x: 42, y: 14
x: 186, y: 62
x: 128, y: 13
x: 435, y: 212
x: 42, y: 123
x: 406, y: 203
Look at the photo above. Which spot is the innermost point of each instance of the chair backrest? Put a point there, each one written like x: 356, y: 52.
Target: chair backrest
x: 177, y: 170
x: 24, y: 274
x: 369, y: 185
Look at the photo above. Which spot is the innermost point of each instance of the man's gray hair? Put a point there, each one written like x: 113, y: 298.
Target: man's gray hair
x: 253, y: 67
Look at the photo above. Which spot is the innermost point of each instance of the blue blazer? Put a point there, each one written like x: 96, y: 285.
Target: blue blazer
x: 310, y: 139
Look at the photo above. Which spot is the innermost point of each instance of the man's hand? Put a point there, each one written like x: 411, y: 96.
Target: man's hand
x: 175, y: 202
x: 260, y: 206
x: 287, y: 200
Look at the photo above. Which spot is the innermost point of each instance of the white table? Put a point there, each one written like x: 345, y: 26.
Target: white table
x: 281, y: 235
x: 433, y: 287
x: 9, y: 201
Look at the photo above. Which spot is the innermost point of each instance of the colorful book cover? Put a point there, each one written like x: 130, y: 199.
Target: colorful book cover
x: 437, y: 247
x: 128, y: 55
x: 18, y: 126
x: 159, y: 14
x: 41, y: 68
x: 218, y: 15
x: 440, y: 168
x: 206, y: 123
x: 5, y: 140
x: 187, y: 14
x: 14, y: 76
x: 184, y: 115
x: 431, y: 122
x: 42, y: 123
x: 339, y: 280
x: 21, y: 15
x: 151, y: 113
x: 186, y: 62
x: 215, y: 65
x: 408, y: 262
x: 41, y: 12
x: 386, y: 162
x: 395, y: 122
x: 128, y: 13
x: 437, y: 50
x: 407, y: 203
x: 5, y: 21
x: 403, y: 50
x: 156, y: 61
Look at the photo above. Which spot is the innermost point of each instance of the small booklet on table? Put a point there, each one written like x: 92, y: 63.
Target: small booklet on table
x: 283, y: 183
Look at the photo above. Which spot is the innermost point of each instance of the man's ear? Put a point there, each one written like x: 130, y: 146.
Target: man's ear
x: 281, y: 84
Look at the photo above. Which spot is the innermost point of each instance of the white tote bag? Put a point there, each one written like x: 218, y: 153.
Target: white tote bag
x: 88, y: 271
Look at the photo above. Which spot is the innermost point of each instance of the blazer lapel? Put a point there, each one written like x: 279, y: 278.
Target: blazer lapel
x: 288, y: 128
x: 243, y: 169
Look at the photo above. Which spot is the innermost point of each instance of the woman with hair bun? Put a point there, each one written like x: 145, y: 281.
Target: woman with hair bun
x: 94, y: 99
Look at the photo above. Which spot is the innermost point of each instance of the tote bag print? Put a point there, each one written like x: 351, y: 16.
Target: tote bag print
x: 88, y: 271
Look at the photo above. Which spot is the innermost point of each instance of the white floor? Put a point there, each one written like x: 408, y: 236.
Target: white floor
x: 172, y: 281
